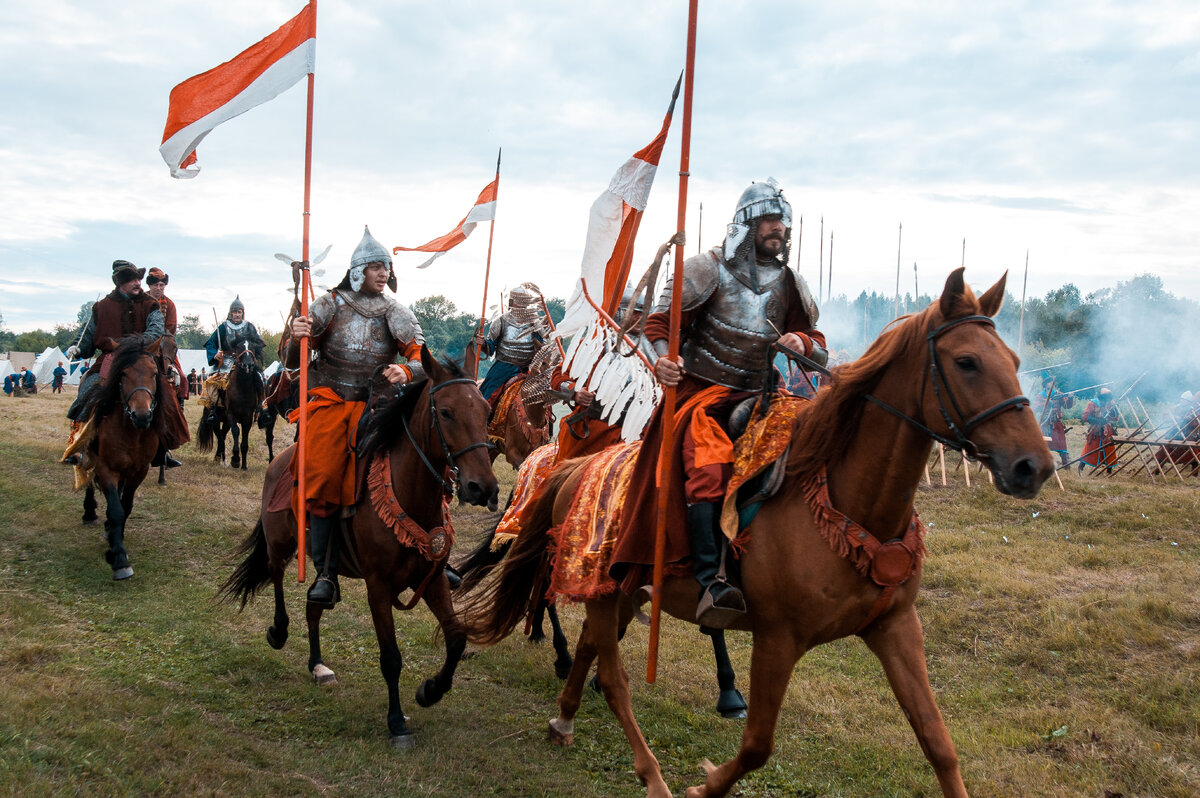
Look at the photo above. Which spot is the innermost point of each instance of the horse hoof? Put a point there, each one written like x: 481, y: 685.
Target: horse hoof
x: 556, y: 737
x: 731, y: 704
x: 122, y: 573
x: 563, y: 670
x: 90, y: 521
x: 403, y: 742
x: 428, y: 693
x: 322, y: 675
x: 274, y: 639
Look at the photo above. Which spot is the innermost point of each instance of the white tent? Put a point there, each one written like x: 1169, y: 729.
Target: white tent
x: 193, y: 359
x: 47, y: 361
x: 5, y: 368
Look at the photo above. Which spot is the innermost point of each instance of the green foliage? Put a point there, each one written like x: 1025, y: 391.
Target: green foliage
x: 447, y: 331
x: 34, y: 341
x: 271, y: 345
x: 190, y: 334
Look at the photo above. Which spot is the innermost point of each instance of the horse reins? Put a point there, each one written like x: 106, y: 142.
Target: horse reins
x: 153, y: 397
x: 935, y: 374
x: 449, y: 486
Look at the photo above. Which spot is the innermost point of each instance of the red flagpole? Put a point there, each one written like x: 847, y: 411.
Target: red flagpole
x: 488, y: 272
x: 302, y: 440
x: 668, y: 407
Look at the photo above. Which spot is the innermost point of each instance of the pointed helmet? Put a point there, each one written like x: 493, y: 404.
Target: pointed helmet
x: 236, y: 304
x: 758, y: 200
x: 369, y: 250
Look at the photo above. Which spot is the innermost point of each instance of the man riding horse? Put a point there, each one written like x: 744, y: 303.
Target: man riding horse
x: 356, y: 330
x: 514, y: 338
x: 737, y: 300
x: 126, y: 311
x: 222, y: 348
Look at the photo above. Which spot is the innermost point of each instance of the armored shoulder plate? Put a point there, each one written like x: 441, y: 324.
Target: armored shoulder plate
x: 321, y: 312
x: 701, y: 275
x: 806, y: 299
x: 403, y: 324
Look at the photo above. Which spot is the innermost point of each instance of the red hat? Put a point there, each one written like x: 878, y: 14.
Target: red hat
x: 157, y: 275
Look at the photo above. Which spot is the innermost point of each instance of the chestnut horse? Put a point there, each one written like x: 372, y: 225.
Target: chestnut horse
x: 124, y: 407
x: 520, y: 430
x: 433, y: 436
x: 943, y: 373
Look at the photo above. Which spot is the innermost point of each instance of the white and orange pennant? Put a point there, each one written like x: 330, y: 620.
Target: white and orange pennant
x: 254, y: 76
x: 612, y: 228
x: 484, y: 210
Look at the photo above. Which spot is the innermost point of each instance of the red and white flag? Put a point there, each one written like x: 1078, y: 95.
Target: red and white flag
x: 612, y: 228
x: 254, y: 76
x: 484, y: 210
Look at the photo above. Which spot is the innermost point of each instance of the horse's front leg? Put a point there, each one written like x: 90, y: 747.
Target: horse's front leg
x: 730, y: 702
x: 237, y: 453
x: 437, y: 598
x: 562, y: 651
x: 316, y: 666
x: 379, y: 597
x: 269, y: 434
x: 900, y: 645
x: 771, y: 664
x: 114, y: 527
x: 245, y: 443
x: 222, y: 431
x: 89, y: 506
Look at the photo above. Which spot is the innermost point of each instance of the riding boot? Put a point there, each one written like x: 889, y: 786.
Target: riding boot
x: 324, y: 549
x: 720, y: 602
x: 163, y: 457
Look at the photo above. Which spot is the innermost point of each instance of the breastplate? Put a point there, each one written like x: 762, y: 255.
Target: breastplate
x: 517, y: 344
x: 728, y: 341
x: 353, y: 347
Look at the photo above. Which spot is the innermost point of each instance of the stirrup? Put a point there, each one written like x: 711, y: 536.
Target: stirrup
x: 321, y: 601
x: 721, y: 612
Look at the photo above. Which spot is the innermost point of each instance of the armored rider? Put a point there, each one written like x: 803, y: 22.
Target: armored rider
x: 355, y: 331
x: 514, y: 338
x: 127, y: 310
x: 737, y: 300
x: 222, y: 348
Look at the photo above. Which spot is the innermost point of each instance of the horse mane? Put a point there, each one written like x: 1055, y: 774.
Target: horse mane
x: 385, y: 423
x: 106, y: 396
x: 820, y: 435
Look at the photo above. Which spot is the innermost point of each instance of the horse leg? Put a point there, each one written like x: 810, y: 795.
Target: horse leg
x: 603, y: 615
x: 245, y: 443
x: 771, y: 663
x: 269, y: 434
x: 730, y: 702
x: 562, y: 728
x: 320, y: 673
x: 277, y: 560
x: 219, y: 455
x: 114, y: 527
x: 379, y: 597
x: 536, y: 633
x: 437, y: 598
x: 235, y: 457
x: 89, y: 506
x: 900, y: 645
x: 562, y: 652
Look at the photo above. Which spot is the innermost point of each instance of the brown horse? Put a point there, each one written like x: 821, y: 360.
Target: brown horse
x: 433, y: 437
x: 943, y: 373
x: 243, y: 399
x: 522, y: 432
x: 125, y: 409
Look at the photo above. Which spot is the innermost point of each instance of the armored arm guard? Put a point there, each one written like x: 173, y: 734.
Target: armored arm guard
x: 155, y: 327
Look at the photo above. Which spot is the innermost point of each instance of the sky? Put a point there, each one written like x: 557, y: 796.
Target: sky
x: 1067, y: 130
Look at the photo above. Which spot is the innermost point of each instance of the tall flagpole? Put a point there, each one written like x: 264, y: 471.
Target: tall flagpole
x: 668, y: 405
x: 488, y: 271
x: 1021, y: 325
x: 302, y: 439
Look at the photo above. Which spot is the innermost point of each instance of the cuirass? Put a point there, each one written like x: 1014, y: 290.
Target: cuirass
x: 356, y: 342
x: 731, y: 335
x: 517, y: 343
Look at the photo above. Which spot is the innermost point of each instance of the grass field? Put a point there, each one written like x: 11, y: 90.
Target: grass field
x: 1063, y: 639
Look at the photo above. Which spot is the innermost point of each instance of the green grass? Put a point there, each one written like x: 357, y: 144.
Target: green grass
x: 1066, y: 660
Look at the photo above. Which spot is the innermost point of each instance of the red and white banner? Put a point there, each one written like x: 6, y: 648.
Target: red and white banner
x: 256, y: 75
x: 612, y: 228
x: 484, y: 210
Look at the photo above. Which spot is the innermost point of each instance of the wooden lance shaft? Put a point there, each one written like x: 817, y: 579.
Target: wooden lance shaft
x: 487, y: 273
x: 306, y: 289
x: 668, y: 407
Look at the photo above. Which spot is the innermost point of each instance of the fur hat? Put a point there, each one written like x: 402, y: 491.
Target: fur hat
x: 162, y: 276
x: 124, y: 271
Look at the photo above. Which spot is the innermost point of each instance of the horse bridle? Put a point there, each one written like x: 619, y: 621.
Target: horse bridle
x: 935, y: 374
x: 153, y: 397
x: 449, y: 486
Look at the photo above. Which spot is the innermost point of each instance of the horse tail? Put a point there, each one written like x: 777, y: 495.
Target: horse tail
x: 481, y: 561
x: 204, y: 435
x: 253, y: 573
x: 492, y: 613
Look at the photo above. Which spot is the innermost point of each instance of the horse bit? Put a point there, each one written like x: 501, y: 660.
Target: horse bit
x: 450, y: 486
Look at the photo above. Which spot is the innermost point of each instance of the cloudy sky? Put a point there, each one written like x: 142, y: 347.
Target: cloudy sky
x: 1068, y: 129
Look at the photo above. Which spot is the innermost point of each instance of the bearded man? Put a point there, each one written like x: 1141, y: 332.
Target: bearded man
x: 737, y: 301
x: 222, y: 348
x: 354, y: 330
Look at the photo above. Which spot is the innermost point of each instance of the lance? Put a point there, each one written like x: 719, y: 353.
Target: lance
x: 1045, y: 414
x: 1021, y: 325
x: 1132, y: 384
x: 899, y: 238
x: 86, y: 323
x: 217, y: 321
x: 488, y: 270
x: 1088, y: 388
x: 963, y: 262
x: 306, y: 291
x: 821, y: 261
x: 916, y: 289
x: 668, y: 407
x: 1046, y: 368
x: 700, y: 231
x: 829, y: 282
x: 799, y: 241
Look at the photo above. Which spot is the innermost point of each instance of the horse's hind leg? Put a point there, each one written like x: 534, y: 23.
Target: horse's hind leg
x: 730, y: 702
x: 269, y: 434
x: 320, y: 673
x: 162, y: 474
x: 562, y: 728
x: 562, y: 651
x: 89, y: 507
x: 437, y: 598
x: 900, y: 645
x: 277, y: 632
x: 379, y: 597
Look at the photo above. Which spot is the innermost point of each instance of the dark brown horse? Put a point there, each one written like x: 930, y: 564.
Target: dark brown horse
x: 433, y: 438
x: 943, y: 372
x: 524, y: 431
x: 283, y: 396
x: 125, y: 409
x: 243, y: 398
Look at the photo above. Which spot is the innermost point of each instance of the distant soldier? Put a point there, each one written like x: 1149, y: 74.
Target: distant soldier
x: 1049, y: 406
x: 514, y: 338
x: 60, y: 375
x: 28, y: 381
x: 221, y: 347
x: 1101, y: 418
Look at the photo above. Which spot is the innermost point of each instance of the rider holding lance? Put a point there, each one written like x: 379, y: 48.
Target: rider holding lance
x: 735, y: 301
x: 355, y: 330
x: 514, y: 338
x: 222, y: 347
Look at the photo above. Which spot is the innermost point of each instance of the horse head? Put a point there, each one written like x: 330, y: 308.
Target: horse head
x: 137, y: 382
x: 458, y: 417
x: 970, y: 396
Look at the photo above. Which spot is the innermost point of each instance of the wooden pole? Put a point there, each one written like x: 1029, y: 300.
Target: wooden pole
x: 1021, y: 324
x: 821, y: 262
x: 829, y: 282
x: 668, y: 405
x: 899, y: 238
x: 488, y: 270
x: 700, y: 231
x: 302, y: 437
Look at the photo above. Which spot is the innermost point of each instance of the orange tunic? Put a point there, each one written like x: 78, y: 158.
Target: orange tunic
x: 1098, y: 449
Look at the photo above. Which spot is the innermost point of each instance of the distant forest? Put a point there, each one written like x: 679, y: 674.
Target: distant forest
x: 1136, y: 331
